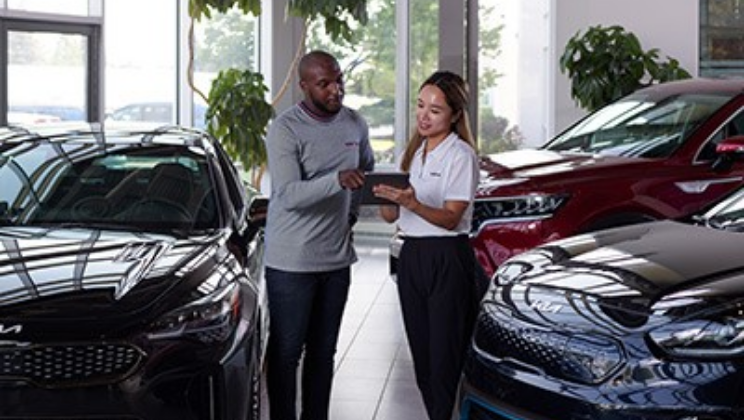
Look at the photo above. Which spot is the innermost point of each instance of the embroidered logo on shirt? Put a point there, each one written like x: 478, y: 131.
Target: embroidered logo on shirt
x: 435, y: 174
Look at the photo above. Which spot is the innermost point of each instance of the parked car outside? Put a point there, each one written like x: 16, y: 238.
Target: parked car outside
x: 636, y: 322
x: 155, y: 112
x: 43, y: 112
x: 649, y: 156
x: 131, y: 282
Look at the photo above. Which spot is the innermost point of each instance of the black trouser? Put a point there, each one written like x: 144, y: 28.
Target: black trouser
x: 306, y: 311
x: 438, y: 299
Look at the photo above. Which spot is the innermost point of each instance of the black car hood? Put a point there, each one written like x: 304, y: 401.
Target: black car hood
x: 665, y: 255
x: 626, y: 272
x: 80, y: 274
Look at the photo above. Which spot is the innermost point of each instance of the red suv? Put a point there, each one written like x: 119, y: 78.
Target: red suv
x: 650, y: 155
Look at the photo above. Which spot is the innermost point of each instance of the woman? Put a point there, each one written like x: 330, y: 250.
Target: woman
x: 436, y: 263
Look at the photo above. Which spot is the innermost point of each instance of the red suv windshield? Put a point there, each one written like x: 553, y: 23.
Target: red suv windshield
x: 638, y: 127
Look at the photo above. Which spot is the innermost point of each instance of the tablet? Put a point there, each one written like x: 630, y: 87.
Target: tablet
x: 394, y: 179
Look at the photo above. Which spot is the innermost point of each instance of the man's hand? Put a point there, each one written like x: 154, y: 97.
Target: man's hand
x: 351, y: 179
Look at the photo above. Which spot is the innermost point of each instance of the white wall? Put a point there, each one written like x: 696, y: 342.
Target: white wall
x: 672, y: 26
x: 534, y: 94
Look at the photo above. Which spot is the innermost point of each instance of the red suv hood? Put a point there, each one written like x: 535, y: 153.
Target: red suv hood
x: 520, y: 166
x: 529, y: 162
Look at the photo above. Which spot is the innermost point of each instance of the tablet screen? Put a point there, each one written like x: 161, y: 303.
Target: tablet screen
x: 394, y: 179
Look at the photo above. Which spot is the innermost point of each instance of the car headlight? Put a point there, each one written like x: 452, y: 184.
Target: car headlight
x: 521, y: 208
x: 718, y: 337
x: 209, y: 319
x: 510, y: 272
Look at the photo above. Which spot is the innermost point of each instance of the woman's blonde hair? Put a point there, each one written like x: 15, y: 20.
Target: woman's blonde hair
x: 457, y: 96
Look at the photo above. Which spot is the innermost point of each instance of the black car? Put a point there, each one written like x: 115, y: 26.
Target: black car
x: 131, y: 283
x: 640, y: 322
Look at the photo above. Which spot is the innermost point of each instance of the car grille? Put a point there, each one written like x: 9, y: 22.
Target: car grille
x: 64, y: 365
x: 575, y: 357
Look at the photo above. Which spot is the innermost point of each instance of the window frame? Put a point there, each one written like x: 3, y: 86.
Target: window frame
x: 88, y: 27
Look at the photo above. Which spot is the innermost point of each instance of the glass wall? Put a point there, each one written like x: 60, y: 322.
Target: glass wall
x: 142, y: 58
x: 62, y: 7
x: 37, y: 63
x: 369, y: 70
x: 140, y: 63
x: 497, y: 129
x: 369, y: 64
x: 144, y: 64
x: 228, y: 40
x: 423, y: 35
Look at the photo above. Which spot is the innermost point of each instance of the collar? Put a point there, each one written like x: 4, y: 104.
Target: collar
x: 442, y: 147
x: 315, y: 115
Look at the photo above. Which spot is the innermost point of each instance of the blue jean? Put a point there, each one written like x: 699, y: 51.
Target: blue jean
x: 305, y: 314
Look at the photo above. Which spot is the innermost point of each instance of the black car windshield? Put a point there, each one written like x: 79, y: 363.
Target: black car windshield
x: 122, y: 186
x: 638, y: 127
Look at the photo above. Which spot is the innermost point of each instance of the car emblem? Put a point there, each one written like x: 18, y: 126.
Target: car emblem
x: 10, y: 329
x: 542, y: 306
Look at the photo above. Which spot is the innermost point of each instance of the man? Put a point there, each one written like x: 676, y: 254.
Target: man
x: 318, y: 151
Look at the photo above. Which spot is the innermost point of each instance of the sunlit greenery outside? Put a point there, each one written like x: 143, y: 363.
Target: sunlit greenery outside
x: 229, y: 41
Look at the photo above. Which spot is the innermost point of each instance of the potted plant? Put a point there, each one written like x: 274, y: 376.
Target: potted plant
x: 606, y: 63
x: 238, y: 112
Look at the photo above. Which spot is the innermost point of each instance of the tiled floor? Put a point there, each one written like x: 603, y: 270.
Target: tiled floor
x: 374, y: 374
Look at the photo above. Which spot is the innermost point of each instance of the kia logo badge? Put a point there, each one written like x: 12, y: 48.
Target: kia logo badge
x: 10, y: 329
x: 542, y: 306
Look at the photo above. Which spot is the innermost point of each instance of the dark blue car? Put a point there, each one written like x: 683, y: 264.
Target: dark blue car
x: 644, y: 322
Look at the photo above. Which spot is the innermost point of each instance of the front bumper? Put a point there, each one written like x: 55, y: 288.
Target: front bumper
x: 175, y: 381
x: 493, y: 390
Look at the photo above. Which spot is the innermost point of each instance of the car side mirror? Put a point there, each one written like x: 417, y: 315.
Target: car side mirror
x: 729, y: 151
x: 257, y: 209
x: 255, y: 217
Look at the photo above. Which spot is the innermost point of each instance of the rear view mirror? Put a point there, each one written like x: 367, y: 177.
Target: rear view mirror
x: 729, y: 151
x: 732, y: 145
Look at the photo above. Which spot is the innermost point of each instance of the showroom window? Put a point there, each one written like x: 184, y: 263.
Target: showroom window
x: 369, y: 64
x: 147, y: 59
x: 721, y: 38
x: 227, y: 40
x: 49, y: 69
x: 141, y: 60
x: 47, y: 75
x: 497, y: 130
x: 61, y: 7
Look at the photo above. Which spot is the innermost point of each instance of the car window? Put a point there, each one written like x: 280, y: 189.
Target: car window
x: 160, y: 187
x: 638, y: 127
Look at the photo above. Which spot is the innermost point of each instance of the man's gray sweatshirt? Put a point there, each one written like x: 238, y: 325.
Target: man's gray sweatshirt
x: 308, y: 224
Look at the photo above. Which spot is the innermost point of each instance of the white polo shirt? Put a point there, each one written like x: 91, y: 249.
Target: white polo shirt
x: 450, y: 173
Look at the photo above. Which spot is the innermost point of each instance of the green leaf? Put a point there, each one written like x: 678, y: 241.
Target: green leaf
x: 238, y: 115
x: 605, y: 63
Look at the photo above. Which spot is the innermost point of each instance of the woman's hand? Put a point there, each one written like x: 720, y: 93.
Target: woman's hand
x: 402, y: 197
x: 447, y: 217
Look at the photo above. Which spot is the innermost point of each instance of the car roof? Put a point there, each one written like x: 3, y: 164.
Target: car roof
x: 730, y: 87
x: 120, y: 134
